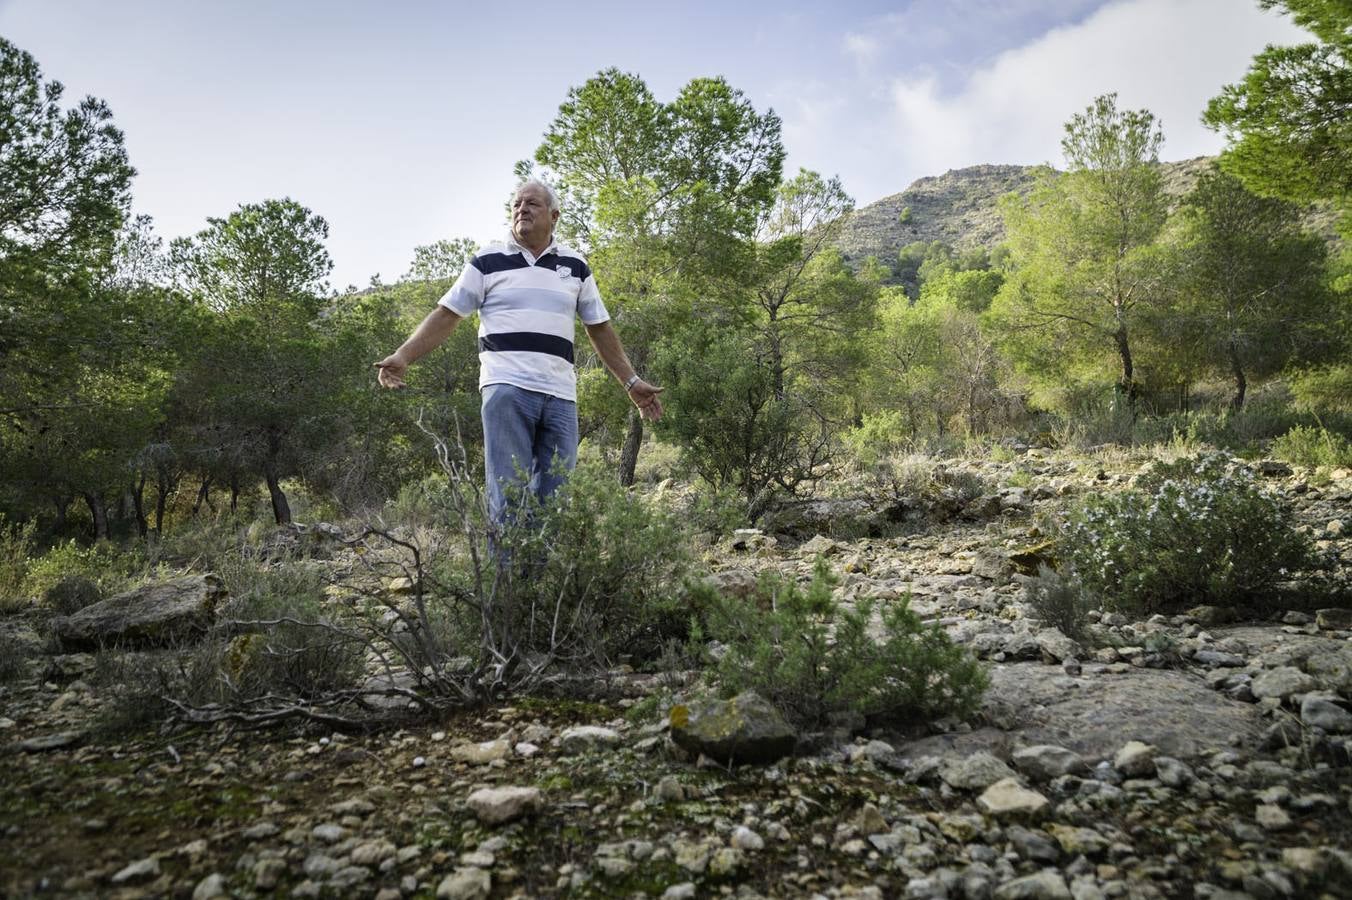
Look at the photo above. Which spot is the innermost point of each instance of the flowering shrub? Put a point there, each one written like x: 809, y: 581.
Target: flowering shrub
x: 1198, y: 530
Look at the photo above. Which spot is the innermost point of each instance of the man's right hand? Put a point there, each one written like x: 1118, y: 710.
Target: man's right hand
x: 390, y: 371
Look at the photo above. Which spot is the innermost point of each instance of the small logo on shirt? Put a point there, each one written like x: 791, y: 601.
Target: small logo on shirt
x: 564, y: 271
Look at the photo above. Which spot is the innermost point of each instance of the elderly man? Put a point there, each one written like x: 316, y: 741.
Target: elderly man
x: 527, y: 291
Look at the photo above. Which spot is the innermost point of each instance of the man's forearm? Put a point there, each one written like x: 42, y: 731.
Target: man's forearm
x: 429, y: 334
x: 607, y: 344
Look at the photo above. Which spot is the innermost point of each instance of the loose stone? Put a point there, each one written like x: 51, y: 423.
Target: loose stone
x: 495, y: 806
x: 465, y: 884
x: 1009, y: 799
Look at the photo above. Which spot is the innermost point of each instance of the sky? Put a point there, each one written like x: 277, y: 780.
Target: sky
x: 399, y: 121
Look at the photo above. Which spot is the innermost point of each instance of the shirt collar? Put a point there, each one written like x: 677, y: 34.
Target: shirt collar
x: 530, y: 257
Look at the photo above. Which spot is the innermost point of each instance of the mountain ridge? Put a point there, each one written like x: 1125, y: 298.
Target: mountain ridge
x: 961, y: 208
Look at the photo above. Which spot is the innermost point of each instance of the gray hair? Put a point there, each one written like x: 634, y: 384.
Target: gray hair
x: 553, y: 195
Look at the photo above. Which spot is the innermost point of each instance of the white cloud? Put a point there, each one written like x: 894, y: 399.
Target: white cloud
x: 1168, y: 56
x: 862, y: 47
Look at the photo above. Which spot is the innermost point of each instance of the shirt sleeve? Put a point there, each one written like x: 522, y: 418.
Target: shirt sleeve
x: 589, y: 306
x: 466, y: 296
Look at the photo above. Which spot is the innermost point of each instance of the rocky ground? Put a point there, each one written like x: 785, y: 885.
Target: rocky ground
x: 1183, y: 756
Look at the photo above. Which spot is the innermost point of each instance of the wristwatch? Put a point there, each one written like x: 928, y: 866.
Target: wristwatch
x: 633, y: 380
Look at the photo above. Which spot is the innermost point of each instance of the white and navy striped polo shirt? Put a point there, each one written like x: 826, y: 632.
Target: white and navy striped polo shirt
x: 526, y: 308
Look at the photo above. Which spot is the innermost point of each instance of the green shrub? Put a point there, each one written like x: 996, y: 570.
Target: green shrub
x: 276, y: 640
x: 1313, y: 447
x: 880, y: 435
x: 737, y: 429
x: 1058, y: 601
x: 102, y: 563
x: 608, y: 563
x: 811, y: 657
x: 14, y: 656
x: 16, y: 544
x: 134, y: 690
x: 714, y: 511
x: 1198, y: 530
x: 198, y: 544
x: 70, y: 595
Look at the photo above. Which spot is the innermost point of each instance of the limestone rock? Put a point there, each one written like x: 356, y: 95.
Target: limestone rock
x: 494, y: 806
x: 1136, y: 760
x: 465, y: 884
x: 373, y: 853
x: 1332, y: 668
x: 1326, y: 711
x: 141, y: 870
x: 744, y: 838
x: 482, y: 753
x: 172, y: 611
x: 1044, y: 762
x: 1334, y: 619
x: 1076, y: 841
x: 1045, y: 885
x: 974, y: 772
x: 1032, y: 703
x: 46, y: 742
x: 588, y: 737
x: 669, y: 790
x: 1282, y: 682
x: 1009, y: 799
x: 1172, y: 772
x: 210, y: 888
x: 870, y: 820
x: 1055, y: 646
x: 1028, y: 560
x: 745, y: 729
x: 738, y: 583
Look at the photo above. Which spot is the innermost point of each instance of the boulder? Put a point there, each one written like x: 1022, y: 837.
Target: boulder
x: 155, y: 615
x: 1055, y: 646
x: 1028, y: 560
x: 739, y: 583
x: 823, y: 516
x: 974, y: 772
x: 745, y: 729
x: 1334, y: 618
x: 1032, y: 703
x: 1326, y: 711
x: 1282, y: 682
x: 1047, y: 761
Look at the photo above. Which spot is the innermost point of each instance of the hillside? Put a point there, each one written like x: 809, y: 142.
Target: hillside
x: 960, y: 207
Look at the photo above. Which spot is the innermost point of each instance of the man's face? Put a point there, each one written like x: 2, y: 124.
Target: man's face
x: 532, y: 219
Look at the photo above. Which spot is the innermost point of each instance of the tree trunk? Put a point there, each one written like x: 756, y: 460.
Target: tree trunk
x: 234, y: 494
x: 1127, y: 386
x: 1241, y: 383
x: 633, y: 440
x: 100, y: 513
x: 281, y: 510
x: 138, y: 499
x: 777, y: 364
x: 162, y: 491
x: 203, y: 496
x: 62, y: 504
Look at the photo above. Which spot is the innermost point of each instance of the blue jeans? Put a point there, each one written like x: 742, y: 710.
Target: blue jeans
x: 527, y: 432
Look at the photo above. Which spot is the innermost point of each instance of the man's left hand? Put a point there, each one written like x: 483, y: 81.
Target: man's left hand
x: 644, y: 396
